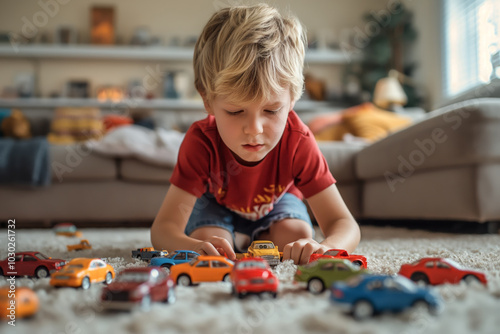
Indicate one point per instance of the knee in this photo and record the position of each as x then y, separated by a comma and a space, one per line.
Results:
294, 228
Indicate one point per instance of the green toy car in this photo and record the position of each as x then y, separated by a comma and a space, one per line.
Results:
321, 274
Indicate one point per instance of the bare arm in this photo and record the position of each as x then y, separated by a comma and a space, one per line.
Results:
167, 231
336, 222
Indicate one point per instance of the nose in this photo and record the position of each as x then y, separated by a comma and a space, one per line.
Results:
253, 125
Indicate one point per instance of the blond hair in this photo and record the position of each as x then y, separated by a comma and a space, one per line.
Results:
249, 53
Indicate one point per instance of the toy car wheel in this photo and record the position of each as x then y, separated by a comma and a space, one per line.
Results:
362, 309
146, 302
184, 280
421, 306
109, 278
1, 272
167, 265
315, 285
470, 279
139, 257
226, 278
41, 272
420, 278
85, 283
358, 263
241, 295
170, 297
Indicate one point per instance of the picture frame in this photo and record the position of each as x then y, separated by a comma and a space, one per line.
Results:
102, 25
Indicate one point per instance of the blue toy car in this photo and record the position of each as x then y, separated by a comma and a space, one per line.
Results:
366, 295
176, 257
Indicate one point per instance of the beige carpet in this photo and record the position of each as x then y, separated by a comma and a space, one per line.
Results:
209, 308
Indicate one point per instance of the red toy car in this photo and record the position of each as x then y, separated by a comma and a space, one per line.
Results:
360, 260
434, 271
253, 275
33, 264
139, 286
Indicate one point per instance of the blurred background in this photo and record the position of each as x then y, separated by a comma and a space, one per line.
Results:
87, 49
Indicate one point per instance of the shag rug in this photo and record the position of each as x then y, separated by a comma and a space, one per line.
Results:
210, 308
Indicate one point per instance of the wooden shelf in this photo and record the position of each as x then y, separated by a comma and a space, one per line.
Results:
157, 104
119, 52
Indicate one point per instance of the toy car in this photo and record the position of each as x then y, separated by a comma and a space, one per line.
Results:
263, 249
26, 303
81, 272
359, 260
83, 244
204, 268
253, 275
33, 264
67, 229
138, 286
147, 253
432, 270
366, 295
320, 274
177, 257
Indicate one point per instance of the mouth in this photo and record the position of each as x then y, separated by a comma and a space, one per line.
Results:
253, 147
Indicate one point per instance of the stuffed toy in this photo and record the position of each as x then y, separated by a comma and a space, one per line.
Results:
16, 125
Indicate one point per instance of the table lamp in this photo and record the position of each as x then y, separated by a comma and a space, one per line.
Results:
388, 93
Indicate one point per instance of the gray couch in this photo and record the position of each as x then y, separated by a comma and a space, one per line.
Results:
444, 167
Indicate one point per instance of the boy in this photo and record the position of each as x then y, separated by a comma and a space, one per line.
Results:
242, 171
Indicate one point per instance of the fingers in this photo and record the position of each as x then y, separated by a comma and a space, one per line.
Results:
206, 248
216, 246
223, 247
301, 250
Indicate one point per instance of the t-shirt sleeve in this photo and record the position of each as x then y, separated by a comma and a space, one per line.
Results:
192, 168
310, 169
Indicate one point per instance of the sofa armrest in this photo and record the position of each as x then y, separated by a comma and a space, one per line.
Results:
461, 134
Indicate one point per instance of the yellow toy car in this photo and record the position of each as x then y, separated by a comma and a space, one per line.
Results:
264, 249
84, 244
81, 272
26, 303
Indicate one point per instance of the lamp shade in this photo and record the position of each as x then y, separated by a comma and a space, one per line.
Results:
388, 92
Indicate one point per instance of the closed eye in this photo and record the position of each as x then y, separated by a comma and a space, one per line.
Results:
272, 111
234, 113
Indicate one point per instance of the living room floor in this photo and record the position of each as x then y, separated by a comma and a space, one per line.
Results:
210, 308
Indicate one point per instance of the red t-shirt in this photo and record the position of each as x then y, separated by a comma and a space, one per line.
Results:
295, 165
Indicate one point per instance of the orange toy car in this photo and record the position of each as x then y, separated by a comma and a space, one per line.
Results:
84, 244
81, 272
204, 268
26, 303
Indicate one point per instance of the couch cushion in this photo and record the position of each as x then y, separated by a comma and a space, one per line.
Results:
76, 162
136, 170
458, 135
340, 157
446, 193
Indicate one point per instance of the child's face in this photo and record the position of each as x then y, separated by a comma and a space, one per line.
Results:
251, 130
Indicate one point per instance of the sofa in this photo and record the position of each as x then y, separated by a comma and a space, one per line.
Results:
445, 166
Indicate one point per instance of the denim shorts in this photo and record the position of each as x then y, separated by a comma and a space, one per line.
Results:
207, 212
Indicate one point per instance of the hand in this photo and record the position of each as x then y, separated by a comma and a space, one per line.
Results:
300, 251
215, 246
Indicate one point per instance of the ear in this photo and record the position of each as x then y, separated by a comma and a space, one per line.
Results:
206, 104
292, 104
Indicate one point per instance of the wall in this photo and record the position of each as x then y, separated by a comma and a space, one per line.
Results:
428, 49
183, 19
